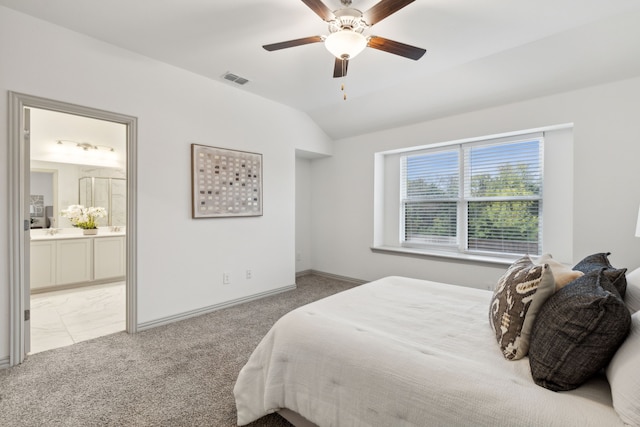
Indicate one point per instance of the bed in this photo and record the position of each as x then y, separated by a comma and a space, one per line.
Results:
404, 352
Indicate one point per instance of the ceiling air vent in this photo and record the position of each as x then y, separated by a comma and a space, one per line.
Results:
234, 78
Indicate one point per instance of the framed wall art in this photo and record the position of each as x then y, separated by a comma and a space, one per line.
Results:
225, 183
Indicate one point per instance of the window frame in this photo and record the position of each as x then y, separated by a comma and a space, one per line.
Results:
464, 198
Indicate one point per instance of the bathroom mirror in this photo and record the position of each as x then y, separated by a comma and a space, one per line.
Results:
109, 193
43, 198
68, 189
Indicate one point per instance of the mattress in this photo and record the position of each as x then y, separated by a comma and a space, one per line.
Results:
404, 352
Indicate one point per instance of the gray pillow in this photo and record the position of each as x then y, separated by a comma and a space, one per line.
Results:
577, 332
599, 261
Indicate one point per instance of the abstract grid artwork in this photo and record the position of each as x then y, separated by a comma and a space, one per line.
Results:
225, 182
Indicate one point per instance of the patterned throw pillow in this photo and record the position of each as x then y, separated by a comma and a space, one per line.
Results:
520, 293
577, 332
599, 261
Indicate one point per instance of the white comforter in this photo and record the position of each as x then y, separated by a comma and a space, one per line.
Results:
404, 352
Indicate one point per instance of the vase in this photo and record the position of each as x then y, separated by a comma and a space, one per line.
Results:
89, 231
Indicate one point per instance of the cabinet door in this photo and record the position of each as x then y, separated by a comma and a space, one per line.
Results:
74, 262
109, 257
42, 264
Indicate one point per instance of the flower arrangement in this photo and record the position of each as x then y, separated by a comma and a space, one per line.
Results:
85, 218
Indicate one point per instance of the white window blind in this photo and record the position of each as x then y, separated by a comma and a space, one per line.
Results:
431, 191
478, 197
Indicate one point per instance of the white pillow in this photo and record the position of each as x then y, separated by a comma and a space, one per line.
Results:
562, 274
623, 374
632, 297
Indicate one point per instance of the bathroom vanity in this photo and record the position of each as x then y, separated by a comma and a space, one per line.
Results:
67, 258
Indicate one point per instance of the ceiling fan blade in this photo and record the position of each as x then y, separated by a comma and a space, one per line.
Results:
292, 43
384, 8
320, 9
340, 67
396, 48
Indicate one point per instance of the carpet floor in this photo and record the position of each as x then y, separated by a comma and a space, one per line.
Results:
181, 374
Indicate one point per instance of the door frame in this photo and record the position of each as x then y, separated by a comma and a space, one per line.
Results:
19, 171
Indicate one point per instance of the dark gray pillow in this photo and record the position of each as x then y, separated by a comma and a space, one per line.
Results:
577, 332
599, 261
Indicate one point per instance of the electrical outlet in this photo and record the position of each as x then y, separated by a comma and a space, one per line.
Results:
226, 278
249, 274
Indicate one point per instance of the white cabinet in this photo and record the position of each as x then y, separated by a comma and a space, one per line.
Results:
58, 262
42, 264
74, 261
109, 257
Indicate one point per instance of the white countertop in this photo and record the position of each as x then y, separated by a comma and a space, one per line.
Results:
73, 233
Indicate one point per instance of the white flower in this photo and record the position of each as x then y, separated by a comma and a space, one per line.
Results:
82, 217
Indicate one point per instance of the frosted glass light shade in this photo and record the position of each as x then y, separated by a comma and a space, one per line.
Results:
345, 43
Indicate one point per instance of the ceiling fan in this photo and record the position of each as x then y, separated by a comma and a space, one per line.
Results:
346, 26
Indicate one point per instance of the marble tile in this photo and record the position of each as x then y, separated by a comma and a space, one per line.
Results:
47, 330
61, 318
102, 315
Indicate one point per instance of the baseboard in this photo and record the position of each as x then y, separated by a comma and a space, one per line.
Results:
333, 276
211, 308
77, 285
303, 273
216, 307
5, 363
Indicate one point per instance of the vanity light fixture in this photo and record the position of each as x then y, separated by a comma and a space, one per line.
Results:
86, 146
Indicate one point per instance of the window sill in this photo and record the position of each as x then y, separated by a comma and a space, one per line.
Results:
428, 253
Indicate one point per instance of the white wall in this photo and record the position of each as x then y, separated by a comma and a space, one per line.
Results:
303, 214
605, 191
180, 260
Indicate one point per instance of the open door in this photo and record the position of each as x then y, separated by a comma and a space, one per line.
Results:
26, 293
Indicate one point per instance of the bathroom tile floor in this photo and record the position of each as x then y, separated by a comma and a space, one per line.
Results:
62, 318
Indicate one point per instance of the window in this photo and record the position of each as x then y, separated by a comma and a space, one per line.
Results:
481, 197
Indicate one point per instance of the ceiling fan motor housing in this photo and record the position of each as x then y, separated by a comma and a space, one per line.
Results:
348, 19
346, 39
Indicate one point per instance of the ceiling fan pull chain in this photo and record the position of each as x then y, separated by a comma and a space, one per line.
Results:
344, 94
344, 77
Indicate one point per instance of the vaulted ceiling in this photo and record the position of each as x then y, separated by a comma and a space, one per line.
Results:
479, 53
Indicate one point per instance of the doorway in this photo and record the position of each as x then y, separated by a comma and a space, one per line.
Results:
77, 286
22, 209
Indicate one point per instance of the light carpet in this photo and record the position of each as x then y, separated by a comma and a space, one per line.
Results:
181, 374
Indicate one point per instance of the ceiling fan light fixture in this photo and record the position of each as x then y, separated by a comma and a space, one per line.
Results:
345, 44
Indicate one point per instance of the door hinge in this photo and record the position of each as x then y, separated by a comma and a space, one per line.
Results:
27, 224
27, 315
